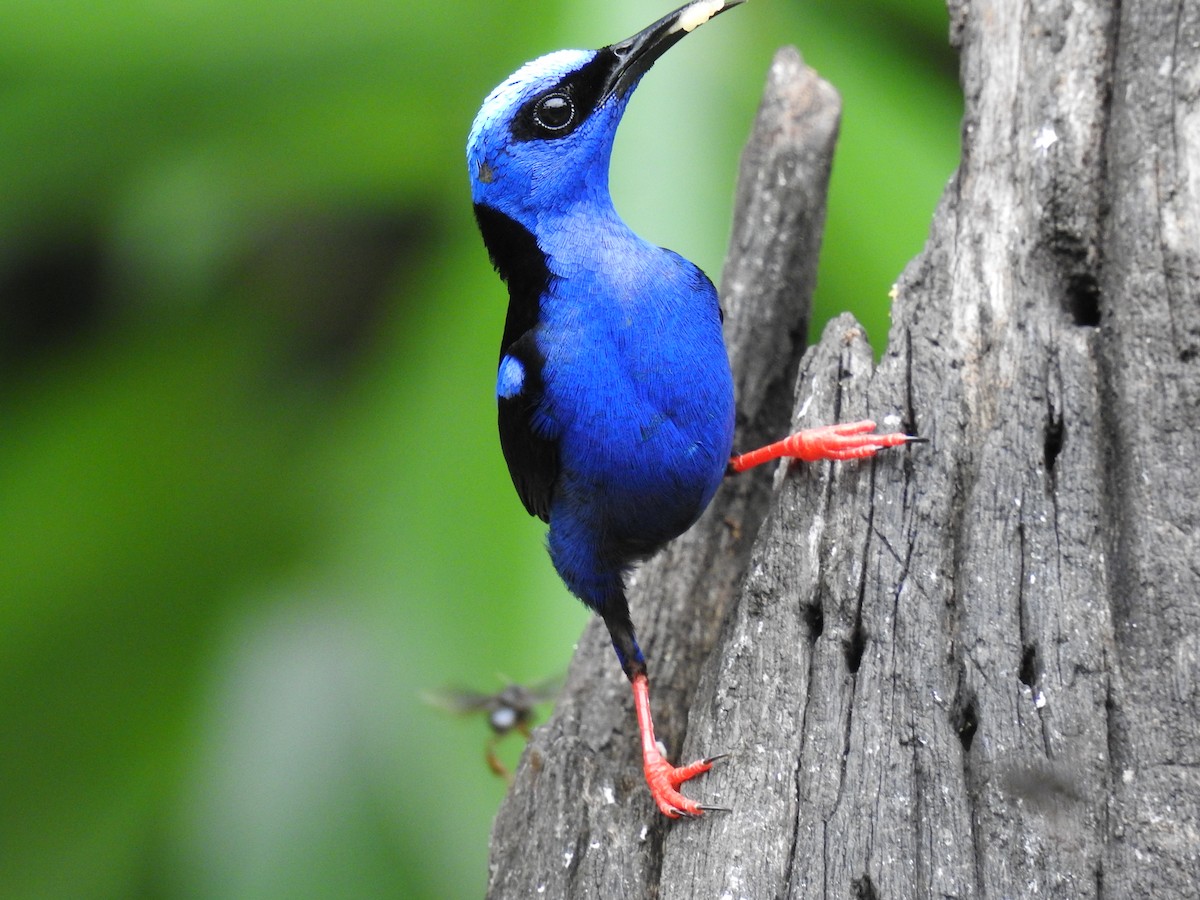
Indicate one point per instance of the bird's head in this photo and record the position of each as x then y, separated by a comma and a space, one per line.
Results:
543, 139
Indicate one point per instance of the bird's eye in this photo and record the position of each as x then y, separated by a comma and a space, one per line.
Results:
554, 112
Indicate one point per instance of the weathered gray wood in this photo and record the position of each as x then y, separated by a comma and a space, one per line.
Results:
1149, 284
969, 668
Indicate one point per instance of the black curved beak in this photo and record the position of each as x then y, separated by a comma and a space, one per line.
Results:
633, 57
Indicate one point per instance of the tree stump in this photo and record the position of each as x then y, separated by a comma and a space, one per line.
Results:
964, 669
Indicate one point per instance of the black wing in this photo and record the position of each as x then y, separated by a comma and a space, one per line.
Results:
532, 457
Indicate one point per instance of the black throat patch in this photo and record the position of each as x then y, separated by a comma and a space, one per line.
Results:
518, 259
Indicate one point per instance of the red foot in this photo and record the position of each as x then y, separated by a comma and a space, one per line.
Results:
851, 440
662, 778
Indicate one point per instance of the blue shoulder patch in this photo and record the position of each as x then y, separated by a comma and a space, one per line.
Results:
510, 380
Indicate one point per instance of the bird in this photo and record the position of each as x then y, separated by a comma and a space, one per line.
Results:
615, 400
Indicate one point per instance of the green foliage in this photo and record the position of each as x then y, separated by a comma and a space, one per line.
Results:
251, 497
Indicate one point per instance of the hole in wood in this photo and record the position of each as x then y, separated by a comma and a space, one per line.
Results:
814, 617
1028, 673
1083, 299
967, 725
1053, 441
854, 648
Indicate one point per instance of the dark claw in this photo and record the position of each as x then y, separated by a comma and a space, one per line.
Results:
715, 808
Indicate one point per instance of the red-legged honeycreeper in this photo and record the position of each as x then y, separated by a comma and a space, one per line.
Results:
615, 396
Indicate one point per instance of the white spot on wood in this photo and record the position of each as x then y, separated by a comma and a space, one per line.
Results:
1046, 138
804, 407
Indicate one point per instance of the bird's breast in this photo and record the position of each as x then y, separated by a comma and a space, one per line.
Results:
640, 390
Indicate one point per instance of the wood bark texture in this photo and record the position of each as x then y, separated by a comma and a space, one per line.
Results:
969, 668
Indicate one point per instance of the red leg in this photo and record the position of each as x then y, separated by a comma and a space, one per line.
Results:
852, 440
663, 778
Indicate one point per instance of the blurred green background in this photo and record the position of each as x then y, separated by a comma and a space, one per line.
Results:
252, 502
